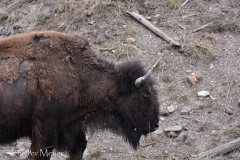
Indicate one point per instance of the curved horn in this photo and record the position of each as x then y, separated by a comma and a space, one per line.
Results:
142, 79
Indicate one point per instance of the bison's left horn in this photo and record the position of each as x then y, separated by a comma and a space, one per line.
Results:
142, 79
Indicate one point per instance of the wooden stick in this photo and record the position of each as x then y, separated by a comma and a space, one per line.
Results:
107, 49
184, 3
4, 13
204, 26
148, 144
221, 149
153, 28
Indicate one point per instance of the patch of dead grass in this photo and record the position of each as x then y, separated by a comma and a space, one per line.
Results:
222, 23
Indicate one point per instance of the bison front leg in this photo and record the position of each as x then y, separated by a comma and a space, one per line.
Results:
80, 144
77, 144
44, 132
44, 135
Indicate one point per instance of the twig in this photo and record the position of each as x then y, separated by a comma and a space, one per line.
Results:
193, 14
184, 3
148, 144
155, 30
206, 25
221, 149
4, 13
107, 49
180, 26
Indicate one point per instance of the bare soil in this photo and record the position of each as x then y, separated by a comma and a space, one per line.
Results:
211, 53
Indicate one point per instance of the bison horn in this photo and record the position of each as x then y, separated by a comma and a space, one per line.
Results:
142, 79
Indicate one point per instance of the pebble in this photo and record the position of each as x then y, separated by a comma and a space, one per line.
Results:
203, 93
192, 79
173, 128
156, 16
171, 108
214, 133
162, 118
229, 111
186, 110
164, 111
130, 40
158, 132
91, 22
172, 134
191, 139
182, 137
11, 153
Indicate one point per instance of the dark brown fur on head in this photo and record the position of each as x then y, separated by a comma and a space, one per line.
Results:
135, 111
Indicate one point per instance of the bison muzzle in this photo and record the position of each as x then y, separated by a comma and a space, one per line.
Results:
53, 87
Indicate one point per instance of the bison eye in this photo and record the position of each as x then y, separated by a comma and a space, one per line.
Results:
145, 96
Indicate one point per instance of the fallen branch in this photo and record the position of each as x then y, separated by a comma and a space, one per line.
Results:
184, 3
206, 25
4, 13
221, 149
153, 28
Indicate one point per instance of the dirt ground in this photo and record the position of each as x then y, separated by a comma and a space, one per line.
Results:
212, 54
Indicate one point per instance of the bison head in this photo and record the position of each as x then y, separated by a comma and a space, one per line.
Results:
137, 104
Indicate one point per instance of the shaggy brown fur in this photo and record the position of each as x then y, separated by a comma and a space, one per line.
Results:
52, 85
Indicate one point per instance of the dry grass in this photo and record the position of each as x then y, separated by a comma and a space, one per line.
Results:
222, 23
173, 2
203, 50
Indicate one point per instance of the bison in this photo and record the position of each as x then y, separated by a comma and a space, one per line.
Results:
53, 87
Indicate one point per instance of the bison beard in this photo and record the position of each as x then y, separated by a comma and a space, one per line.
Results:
53, 87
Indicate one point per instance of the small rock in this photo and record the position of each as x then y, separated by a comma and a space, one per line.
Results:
192, 79
203, 93
130, 40
156, 16
181, 50
158, 132
149, 18
172, 134
211, 66
239, 102
11, 153
91, 22
210, 111
162, 118
184, 126
186, 110
174, 143
229, 111
182, 137
164, 111
213, 98
154, 22
191, 139
214, 133
171, 108
173, 128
